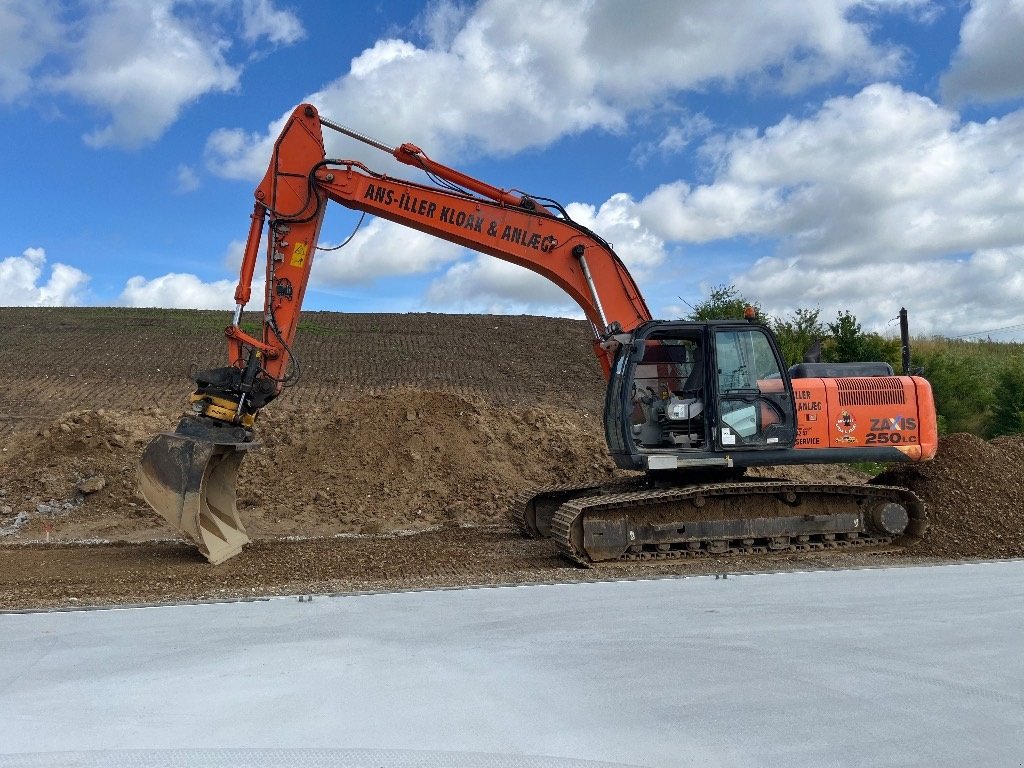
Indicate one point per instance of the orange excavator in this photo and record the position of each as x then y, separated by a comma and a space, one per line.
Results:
689, 406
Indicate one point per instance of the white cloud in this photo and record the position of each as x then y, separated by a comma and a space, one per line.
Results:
497, 80
233, 255
675, 139
988, 65
28, 31
381, 249
260, 19
672, 45
178, 291
948, 295
441, 22
21, 286
883, 174
143, 65
138, 63
187, 179
488, 285
878, 200
237, 154
618, 221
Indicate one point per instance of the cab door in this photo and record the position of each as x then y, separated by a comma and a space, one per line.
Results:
754, 401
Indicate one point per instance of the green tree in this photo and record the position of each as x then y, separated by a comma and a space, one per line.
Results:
847, 343
797, 333
724, 302
845, 339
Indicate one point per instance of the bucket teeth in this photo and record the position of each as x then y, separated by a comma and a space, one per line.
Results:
190, 482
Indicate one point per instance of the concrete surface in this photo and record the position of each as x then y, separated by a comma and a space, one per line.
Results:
901, 667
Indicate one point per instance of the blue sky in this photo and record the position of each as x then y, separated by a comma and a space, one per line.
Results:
838, 154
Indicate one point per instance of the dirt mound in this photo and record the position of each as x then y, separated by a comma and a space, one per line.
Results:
974, 491
409, 459
76, 477
403, 460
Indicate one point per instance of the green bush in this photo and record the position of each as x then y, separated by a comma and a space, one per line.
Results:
1008, 401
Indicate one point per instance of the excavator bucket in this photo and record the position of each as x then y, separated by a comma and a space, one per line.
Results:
190, 482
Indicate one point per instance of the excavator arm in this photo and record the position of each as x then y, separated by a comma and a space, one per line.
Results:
188, 476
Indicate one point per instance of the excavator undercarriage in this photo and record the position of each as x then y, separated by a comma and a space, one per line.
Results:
626, 521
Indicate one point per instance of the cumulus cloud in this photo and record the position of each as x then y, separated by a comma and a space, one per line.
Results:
142, 64
949, 295
882, 172
619, 222
577, 66
178, 291
21, 282
187, 180
260, 19
138, 63
381, 249
673, 45
28, 31
487, 285
236, 154
988, 65
879, 199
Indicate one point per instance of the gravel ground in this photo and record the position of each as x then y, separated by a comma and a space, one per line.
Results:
41, 576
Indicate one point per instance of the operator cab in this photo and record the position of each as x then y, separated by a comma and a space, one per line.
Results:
692, 394
667, 394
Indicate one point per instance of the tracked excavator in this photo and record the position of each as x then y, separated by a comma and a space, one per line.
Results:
689, 405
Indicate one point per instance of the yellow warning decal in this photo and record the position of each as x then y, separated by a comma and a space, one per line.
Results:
299, 254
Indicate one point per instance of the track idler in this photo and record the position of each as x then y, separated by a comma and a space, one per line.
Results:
189, 476
532, 510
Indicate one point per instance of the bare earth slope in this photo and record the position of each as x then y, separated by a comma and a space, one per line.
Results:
390, 464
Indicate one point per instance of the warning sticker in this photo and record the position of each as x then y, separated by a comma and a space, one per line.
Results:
299, 255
